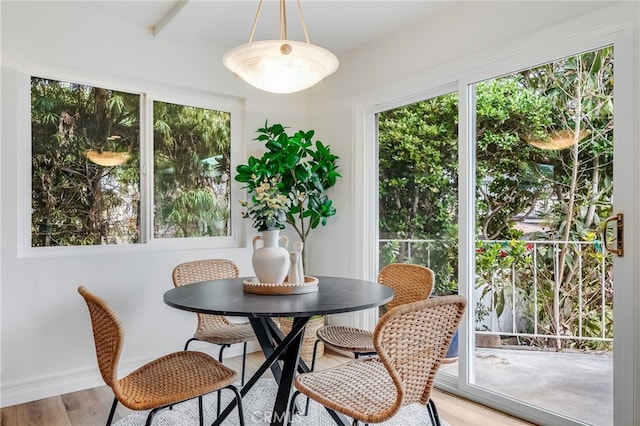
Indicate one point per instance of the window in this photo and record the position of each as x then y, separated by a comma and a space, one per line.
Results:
87, 154
191, 171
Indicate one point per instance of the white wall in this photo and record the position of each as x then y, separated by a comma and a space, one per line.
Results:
46, 345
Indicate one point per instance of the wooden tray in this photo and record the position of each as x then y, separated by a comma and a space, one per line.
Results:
251, 285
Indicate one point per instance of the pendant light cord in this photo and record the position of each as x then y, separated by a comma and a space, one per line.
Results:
282, 23
255, 22
304, 26
283, 20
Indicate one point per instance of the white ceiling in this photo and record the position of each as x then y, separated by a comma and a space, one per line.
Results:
337, 25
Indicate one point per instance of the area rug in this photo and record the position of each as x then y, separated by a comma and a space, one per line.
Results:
257, 405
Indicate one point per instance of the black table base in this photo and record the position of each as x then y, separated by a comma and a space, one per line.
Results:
276, 346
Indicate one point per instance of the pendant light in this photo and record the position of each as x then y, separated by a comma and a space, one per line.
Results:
280, 66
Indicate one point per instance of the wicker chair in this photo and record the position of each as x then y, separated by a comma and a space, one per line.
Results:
411, 340
214, 329
410, 283
168, 380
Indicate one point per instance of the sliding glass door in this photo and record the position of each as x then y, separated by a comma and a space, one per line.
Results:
516, 221
543, 291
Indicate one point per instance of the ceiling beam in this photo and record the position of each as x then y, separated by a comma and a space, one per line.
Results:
166, 19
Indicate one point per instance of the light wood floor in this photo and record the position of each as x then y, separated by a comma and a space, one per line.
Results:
91, 407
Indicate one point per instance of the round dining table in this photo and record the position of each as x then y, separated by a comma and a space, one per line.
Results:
227, 297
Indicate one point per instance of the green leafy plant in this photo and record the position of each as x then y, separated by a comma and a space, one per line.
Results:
303, 169
268, 207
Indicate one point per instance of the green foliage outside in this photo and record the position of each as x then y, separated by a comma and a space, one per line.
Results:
192, 167
418, 184
74, 201
518, 175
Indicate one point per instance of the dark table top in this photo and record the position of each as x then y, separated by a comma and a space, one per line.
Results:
226, 297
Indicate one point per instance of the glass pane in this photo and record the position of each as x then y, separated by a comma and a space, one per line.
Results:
85, 157
418, 188
544, 287
191, 171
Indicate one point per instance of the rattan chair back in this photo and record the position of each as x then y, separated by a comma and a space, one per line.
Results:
409, 282
108, 336
198, 271
412, 340
204, 270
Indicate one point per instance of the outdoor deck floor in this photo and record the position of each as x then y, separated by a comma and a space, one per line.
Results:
577, 385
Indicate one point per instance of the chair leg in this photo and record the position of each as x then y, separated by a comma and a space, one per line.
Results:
292, 405
433, 413
244, 362
238, 403
315, 352
150, 416
200, 410
186, 345
313, 366
113, 411
222, 347
220, 359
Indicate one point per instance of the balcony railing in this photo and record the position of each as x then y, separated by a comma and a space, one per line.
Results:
556, 294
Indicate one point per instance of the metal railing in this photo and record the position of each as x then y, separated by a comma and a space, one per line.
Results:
525, 291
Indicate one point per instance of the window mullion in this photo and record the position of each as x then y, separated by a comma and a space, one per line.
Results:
146, 168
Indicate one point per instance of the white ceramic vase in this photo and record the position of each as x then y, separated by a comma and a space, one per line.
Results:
270, 260
294, 270
297, 247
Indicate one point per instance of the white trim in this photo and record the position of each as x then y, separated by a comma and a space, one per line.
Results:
363, 194
146, 168
626, 353
466, 234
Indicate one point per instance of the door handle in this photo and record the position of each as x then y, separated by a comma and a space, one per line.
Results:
618, 232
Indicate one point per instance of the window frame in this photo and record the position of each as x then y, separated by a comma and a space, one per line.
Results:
148, 94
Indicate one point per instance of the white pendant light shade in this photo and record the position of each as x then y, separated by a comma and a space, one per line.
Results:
281, 66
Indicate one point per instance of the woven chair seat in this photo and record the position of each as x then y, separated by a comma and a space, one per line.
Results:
361, 389
226, 335
173, 378
346, 338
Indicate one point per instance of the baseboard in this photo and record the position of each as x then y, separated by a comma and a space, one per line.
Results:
32, 389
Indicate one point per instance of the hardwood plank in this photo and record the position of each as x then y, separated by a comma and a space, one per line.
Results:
458, 411
89, 407
44, 412
9, 416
